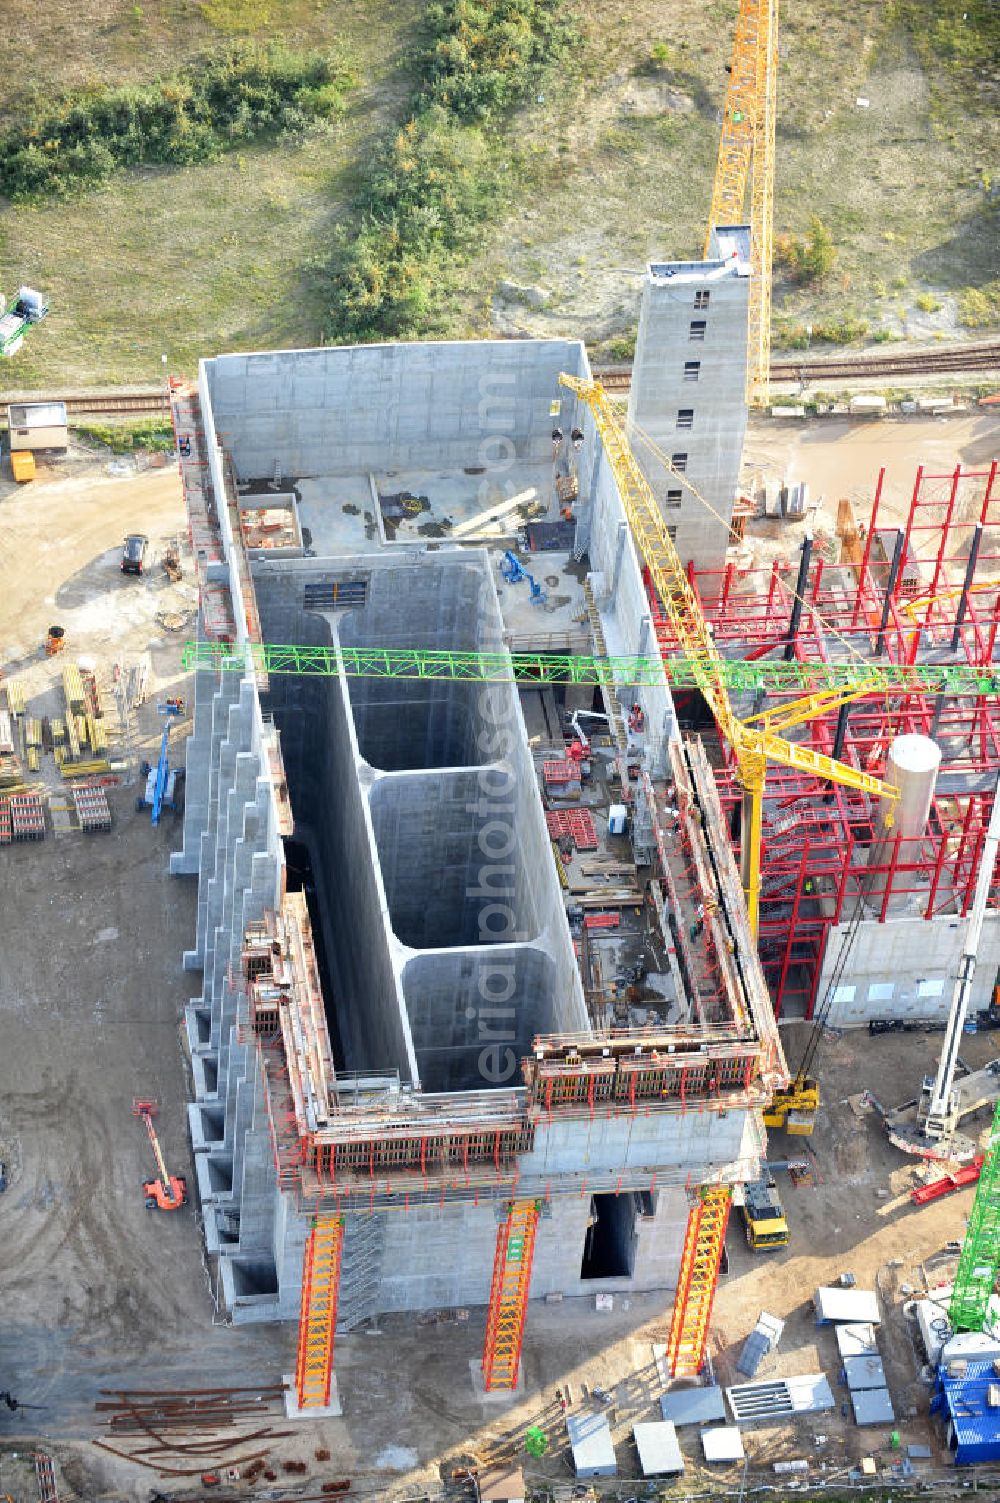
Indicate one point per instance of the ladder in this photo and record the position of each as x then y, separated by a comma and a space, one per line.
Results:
703, 1243
979, 1262
318, 1317
509, 1295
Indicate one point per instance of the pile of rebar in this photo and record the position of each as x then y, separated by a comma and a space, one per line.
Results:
184, 1433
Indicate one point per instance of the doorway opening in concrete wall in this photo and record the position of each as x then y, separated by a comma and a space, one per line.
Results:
609, 1246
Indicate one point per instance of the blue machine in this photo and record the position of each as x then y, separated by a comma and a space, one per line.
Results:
514, 572
163, 782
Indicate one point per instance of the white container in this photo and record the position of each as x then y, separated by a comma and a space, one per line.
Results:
617, 819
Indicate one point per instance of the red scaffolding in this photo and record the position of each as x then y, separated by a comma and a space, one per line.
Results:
914, 584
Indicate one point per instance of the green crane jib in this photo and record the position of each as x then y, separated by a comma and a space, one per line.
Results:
571, 668
980, 1260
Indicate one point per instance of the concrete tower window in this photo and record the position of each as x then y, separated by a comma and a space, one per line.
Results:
674, 498
672, 532
701, 299
685, 417
679, 462
698, 327
692, 370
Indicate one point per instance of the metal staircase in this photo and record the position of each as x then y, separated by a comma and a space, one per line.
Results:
703, 1243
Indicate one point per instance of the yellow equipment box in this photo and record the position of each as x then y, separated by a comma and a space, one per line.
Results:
22, 463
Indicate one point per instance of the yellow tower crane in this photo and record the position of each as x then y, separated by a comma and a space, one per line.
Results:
746, 151
754, 745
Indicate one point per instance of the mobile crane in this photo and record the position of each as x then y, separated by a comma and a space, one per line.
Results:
168, 1192
929, 1126
163, 782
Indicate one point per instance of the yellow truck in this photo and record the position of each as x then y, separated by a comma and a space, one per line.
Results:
764, 1215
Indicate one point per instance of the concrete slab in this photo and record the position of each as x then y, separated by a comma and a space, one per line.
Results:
592, 1446
333, 1410
495, 1395
864, 1372
693, 1406
854, 1305
872, 1406
857, 1339
722, 1444
658, 1447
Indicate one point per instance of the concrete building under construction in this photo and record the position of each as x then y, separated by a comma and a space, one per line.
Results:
392, 1027
460, 1037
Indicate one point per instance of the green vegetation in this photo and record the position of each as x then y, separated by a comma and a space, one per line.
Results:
962, 36
927, 302
569, 176
213, 104
432, 187
153, 434
792, 336
809, 257
979, 307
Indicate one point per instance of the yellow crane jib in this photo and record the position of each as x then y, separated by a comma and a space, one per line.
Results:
746, 151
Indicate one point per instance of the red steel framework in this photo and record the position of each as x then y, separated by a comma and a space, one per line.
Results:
940, 603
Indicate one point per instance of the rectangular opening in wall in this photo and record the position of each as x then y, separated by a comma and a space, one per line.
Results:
698, 327
685, 417
672, 532
679, 461
675, 497
701, 299
609, 1243
692, 370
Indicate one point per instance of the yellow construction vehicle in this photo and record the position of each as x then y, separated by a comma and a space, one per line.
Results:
764, 1215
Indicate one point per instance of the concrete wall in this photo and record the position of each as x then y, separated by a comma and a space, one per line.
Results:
442, 909
424, 819
617, 582
383, 407
421, 1272
906, 968
661, 389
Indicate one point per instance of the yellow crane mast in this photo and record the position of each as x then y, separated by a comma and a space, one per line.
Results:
753, 745
746, 151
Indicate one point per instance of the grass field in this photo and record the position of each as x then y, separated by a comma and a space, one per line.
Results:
609, 164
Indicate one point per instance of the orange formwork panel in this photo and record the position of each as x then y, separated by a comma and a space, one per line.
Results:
703, 1243
509, 1296
318, 1317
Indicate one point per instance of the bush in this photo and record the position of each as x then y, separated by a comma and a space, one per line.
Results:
846, 330
216, 102
927, 302
429, 190
810, 257
979, 307
153, 434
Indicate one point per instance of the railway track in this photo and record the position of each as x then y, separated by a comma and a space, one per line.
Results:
964, 359
146, 401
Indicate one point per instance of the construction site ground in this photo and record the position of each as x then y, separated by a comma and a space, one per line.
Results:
99, 1293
